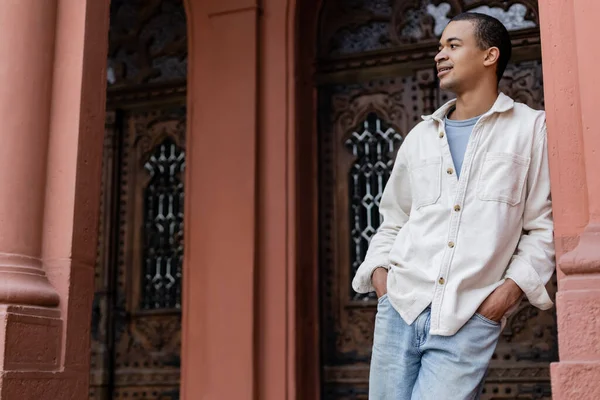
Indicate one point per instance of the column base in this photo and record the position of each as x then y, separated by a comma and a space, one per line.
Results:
23, 281
585, 258
30, 339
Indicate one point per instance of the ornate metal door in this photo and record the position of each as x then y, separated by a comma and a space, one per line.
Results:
136, 327
376, 78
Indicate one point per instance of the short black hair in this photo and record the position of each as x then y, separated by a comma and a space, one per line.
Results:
490, 32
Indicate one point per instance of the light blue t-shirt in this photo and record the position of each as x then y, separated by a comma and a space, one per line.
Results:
458, 133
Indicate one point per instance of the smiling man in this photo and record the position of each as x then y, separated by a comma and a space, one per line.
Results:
467, 227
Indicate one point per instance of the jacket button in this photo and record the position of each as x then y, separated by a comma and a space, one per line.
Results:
441, 281
441, 135
450, 171
451, 244
457, 208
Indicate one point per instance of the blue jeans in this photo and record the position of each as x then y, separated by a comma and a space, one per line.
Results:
409, 364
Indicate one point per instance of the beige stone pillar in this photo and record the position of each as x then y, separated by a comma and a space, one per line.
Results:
571, 87
26, 53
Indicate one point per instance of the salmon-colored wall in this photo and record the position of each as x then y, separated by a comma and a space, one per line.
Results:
219, 332
568, 31
276, 202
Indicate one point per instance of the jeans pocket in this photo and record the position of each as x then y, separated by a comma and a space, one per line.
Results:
487, 320
382, 298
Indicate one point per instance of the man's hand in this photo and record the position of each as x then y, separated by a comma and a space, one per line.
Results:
500, 301
379, 281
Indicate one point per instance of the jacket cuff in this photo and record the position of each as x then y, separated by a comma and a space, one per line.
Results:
527, 278
362, 280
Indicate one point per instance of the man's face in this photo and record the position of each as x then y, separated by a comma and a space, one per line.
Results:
460, 61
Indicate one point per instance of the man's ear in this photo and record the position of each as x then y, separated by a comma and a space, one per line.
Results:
492, 55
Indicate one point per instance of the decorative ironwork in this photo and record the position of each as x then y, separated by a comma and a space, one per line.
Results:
163, 228
351, 27
373, 147
147, 41
136, 336
381, 7
514, 17
524, 82
370, 36
411, 22
137, 352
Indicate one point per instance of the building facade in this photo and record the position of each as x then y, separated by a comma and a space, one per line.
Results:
191, 231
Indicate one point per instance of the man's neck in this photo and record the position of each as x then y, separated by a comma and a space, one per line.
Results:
473, 104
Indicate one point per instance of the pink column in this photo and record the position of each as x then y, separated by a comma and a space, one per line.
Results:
570, 76
30, 325
276, 223
239, 312
26, 51
219, 314
52, 86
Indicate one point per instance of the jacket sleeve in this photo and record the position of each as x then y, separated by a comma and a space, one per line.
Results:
533, 263
394, 209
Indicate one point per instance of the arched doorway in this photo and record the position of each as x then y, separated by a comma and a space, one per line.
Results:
375, 78
136, 323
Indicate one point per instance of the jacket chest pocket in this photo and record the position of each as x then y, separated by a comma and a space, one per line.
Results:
426, 181
502, 178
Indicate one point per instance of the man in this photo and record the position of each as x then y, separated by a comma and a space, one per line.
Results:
467, 227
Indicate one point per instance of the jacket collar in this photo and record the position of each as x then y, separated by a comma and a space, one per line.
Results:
503, 103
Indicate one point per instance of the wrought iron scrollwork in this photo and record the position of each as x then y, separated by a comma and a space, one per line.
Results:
163, 227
